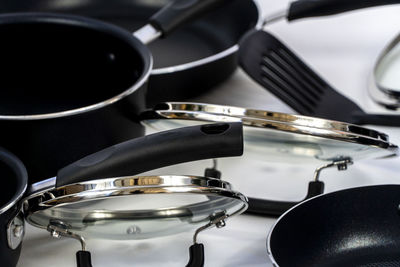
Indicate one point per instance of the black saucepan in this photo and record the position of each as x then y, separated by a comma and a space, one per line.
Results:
14, 181
353, 227
187, 63
127, 158
71, 85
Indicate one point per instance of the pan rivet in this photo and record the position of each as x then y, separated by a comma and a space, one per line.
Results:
133, 230
220, 224
18, 231
55, 234
111, 57
342, 167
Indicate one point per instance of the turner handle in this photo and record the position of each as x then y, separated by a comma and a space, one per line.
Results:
377, 119
316, 8
179, 12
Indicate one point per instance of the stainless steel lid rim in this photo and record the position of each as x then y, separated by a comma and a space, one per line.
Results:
313, 122
306, 130
380, 97
79, 193
293, 123
49, 199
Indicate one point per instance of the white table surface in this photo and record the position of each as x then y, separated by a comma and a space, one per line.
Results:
343, 50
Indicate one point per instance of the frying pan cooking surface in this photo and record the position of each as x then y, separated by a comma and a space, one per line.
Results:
210, 35
354, 227
34, 82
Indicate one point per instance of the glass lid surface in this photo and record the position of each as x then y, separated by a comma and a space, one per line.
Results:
278, 136
134, 207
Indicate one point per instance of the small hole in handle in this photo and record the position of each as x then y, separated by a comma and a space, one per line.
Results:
161, 106
215, 128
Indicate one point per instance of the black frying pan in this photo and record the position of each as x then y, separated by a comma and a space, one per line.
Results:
71, 85
353, 227
187, 63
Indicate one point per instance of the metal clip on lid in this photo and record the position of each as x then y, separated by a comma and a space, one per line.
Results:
196, 251
58, 229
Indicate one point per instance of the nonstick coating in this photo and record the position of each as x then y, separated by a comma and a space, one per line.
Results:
13, 178
70, 86
207, 37
54, 67
353, 227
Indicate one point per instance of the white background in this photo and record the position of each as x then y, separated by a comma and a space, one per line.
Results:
343, 50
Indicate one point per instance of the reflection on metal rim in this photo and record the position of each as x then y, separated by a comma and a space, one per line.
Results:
380, 97
71, 112
384, 96
296, 124
131, 185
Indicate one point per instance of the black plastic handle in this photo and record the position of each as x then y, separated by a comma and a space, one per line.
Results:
273, 208
83, 259
377, 119
316, 8
196, 254
157, 150
180, 12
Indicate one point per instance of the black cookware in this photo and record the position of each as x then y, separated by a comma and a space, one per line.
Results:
14, 180
127, 158
311, 8
353, 227
187, 63
279, 70
71, 85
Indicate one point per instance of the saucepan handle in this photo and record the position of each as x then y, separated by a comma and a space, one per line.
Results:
316, 8
178, 12
272, 208
174, 15
157, 150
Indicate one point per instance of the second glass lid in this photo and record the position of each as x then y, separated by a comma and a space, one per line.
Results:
279, 136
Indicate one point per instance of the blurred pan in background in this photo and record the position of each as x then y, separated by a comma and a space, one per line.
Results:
186, 64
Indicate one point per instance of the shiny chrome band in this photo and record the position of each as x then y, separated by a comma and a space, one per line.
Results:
138, 84
131, 185
279, 121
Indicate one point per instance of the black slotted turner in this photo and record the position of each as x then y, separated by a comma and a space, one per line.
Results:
270, 63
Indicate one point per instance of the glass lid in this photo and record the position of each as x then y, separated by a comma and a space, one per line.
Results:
279, 136
134, 207
385, 87
387, 68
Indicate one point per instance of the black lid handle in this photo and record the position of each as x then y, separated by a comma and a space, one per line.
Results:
157, 150
83, 259
196, 254
315, 8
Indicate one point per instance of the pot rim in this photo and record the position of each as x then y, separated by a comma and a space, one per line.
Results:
20, 171
93, 25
